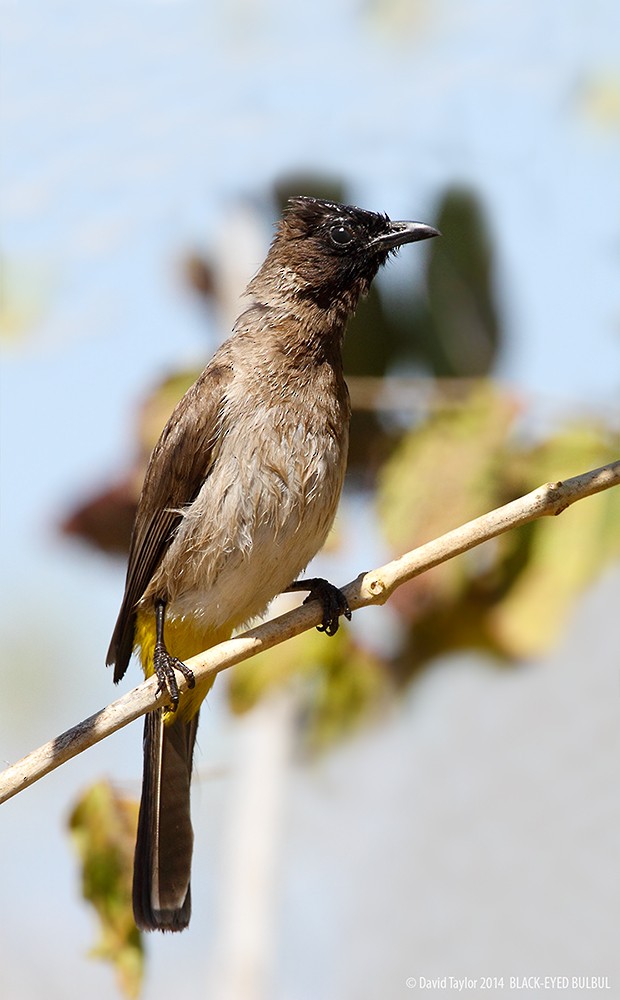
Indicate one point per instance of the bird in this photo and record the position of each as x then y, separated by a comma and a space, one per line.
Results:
239, 494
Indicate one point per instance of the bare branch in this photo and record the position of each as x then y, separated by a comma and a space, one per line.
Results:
374, 587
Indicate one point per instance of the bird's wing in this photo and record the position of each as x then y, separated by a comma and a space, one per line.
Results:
179, 465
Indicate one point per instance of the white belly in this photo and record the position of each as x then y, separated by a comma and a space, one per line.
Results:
256, 523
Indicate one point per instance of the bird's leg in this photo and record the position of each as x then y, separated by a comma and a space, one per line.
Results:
164, 664
333, 601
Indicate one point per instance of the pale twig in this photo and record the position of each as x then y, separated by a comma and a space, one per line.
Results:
374, 587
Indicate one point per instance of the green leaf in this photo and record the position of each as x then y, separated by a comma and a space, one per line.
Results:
103, 829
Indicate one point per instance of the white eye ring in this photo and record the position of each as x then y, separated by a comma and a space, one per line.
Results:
341, 235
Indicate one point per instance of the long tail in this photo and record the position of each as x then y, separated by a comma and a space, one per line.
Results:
163, 859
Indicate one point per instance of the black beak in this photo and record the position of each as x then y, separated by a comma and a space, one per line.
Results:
403, 232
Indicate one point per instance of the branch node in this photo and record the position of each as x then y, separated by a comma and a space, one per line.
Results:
376, 587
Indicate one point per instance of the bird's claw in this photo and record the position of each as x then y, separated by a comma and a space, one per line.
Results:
333, 602
164, 666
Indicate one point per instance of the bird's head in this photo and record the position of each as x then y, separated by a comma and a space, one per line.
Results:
328, 254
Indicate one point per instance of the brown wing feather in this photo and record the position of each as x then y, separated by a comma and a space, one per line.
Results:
179, 465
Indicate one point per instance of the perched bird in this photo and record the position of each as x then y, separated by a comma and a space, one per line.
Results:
240, 493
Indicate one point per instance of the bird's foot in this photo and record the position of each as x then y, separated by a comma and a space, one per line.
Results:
333, 602
164, 666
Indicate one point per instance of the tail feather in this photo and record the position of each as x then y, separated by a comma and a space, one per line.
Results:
163, 858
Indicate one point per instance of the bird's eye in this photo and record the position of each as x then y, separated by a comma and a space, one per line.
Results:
341, 235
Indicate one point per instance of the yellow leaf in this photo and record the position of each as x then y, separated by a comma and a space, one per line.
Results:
567, 552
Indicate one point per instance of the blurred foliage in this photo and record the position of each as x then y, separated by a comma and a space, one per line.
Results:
25, 287
511, 596
106, 519
341, 680
400, 21
565, 555
600, 100
103, 829
461, 332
